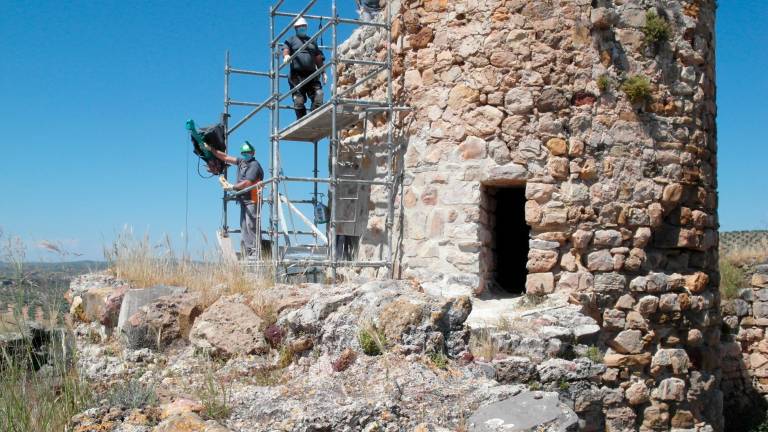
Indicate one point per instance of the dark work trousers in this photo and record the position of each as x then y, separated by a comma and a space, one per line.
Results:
249, 227
312, 90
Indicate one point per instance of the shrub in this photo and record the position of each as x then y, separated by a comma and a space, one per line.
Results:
215, 398
274, 335
731, 279
656, 28
439, 360
603, 83
637, 88
563, 385
372, 340
286, 357
131, 394
593, 353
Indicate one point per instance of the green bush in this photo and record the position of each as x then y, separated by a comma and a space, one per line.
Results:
372, 340
656, 28
216, 399
732, 278
594, 354
603, 83
439, 360
637, 88
131, 395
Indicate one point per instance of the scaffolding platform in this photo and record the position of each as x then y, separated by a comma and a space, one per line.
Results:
316, 125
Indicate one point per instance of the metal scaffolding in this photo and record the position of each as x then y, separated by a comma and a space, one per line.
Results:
341, 111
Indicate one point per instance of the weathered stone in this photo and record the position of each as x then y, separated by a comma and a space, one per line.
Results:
552, 99
697, 282
518, 101
628, 342
95, 301
473, 148
557, 146
674, 359
526, 411
601, 260
610, 282
670, 389
637, 393
540, 261
135, 299
607, 238
228, 328
540, 283
514, 370
621, 360
581, 239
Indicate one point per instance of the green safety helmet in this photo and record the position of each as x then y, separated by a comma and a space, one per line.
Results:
247, 148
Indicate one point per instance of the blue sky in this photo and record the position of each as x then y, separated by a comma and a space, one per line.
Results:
95, 96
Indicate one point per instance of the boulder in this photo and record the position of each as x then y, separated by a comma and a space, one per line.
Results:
528, 411
94, 302
228, 328
134, 299
161, 322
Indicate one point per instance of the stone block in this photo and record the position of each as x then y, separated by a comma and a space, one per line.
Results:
540, 283
134, 299
610, 282
607, 238
601, 260
628, 342
540, 261
95, 301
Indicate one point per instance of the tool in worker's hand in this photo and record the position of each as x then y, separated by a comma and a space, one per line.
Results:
227, 186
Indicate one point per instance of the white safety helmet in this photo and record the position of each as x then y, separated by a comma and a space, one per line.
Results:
300, 22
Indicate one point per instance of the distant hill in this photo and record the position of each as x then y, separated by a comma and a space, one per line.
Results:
735, 240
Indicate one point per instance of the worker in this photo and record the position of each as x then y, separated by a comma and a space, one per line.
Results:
249, 172
369, 8
303, 65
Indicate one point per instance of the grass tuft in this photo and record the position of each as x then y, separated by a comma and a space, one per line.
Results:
732, 279
637, 88
144, 264
132, 394
603, 83
593, 353
216, 398
372, 340
656, 28
439, 360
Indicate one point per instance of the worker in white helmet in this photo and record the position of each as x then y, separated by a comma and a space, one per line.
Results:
303, 65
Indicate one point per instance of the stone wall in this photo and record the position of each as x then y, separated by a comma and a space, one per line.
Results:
745, 350
621, 194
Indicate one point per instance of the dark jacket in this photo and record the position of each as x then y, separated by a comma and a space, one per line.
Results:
304, 62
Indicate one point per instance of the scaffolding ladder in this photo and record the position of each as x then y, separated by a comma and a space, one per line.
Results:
341, 111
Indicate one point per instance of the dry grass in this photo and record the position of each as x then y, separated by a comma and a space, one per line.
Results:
482, 345
144, 264
747, 255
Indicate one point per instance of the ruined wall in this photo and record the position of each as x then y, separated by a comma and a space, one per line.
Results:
621, 194
745, 350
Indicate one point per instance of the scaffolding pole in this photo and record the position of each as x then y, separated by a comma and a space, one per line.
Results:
339, 103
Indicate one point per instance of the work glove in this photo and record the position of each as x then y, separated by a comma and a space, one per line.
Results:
285, 58
227, 186
325, 78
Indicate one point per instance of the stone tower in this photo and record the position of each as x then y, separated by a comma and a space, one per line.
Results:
564, 145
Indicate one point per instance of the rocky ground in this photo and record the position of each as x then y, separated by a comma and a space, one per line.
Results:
377, 356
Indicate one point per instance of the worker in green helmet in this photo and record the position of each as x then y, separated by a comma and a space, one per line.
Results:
249, 172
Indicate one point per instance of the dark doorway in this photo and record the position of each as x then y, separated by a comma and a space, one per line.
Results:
510, 236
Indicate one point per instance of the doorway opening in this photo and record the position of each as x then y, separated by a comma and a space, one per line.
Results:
504, 239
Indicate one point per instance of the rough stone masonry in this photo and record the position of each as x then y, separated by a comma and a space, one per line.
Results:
620, 191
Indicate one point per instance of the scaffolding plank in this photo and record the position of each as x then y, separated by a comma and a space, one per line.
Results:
317, 124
